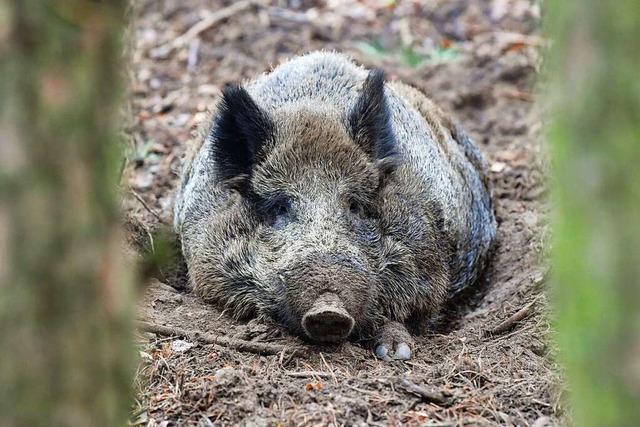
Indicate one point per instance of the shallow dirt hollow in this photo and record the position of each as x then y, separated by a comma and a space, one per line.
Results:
478, 59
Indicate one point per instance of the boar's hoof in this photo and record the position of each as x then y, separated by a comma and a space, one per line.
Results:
393, 342
327, 320
402, 352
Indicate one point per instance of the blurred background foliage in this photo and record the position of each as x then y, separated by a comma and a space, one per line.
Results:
66, 297
594, 137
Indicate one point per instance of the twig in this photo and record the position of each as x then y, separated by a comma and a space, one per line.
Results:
192, 57
335, 380
426, 395
234, 343
516, 94
308, 374
202, 25
288, 15
146, 206
511, 321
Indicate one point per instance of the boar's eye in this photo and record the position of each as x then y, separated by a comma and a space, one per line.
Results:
361, 210
276, 210
281, 212
280, 209
357, 208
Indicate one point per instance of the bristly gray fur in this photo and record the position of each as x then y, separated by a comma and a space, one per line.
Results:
376, 197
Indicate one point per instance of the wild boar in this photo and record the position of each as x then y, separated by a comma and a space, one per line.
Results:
341, 206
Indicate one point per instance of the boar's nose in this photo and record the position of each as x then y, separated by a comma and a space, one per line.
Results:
327, 320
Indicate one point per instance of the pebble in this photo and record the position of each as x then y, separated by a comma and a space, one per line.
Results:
180, 346
225, 373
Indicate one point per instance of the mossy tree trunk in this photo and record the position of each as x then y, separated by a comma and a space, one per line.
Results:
66, 356
594, 87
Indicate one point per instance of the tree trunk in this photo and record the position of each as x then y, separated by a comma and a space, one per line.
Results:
66, 297
595, 141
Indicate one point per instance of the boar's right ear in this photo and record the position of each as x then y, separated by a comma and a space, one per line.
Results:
240, 131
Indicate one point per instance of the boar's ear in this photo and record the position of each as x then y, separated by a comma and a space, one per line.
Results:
240, 131
369, 118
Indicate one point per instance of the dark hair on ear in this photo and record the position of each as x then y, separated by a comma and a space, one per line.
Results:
240, 131
368, 120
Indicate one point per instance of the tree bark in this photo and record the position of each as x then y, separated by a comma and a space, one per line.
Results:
66, 296
595, 141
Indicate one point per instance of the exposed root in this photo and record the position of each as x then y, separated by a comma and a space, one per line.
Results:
264, 349
511, 321
309, 374
437, 397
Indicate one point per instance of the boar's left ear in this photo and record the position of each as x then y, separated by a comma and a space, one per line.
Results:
369, 119
240, 131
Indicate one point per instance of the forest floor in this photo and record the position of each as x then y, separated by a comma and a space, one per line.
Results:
479, 60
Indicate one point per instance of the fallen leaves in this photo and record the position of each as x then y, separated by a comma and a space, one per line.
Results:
313, 386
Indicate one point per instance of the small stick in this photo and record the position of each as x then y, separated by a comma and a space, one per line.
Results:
288, 15
335, 380
202, 25
192, 57
234, 343
146, 206
426, 395
511, 321
308, 374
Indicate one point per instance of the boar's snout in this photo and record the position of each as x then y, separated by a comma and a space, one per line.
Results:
327, 320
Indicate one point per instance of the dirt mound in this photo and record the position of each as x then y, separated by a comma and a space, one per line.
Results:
487, 361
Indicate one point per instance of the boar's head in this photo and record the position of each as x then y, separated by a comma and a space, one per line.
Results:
300, 240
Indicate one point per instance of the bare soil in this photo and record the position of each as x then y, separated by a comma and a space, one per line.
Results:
479, 60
